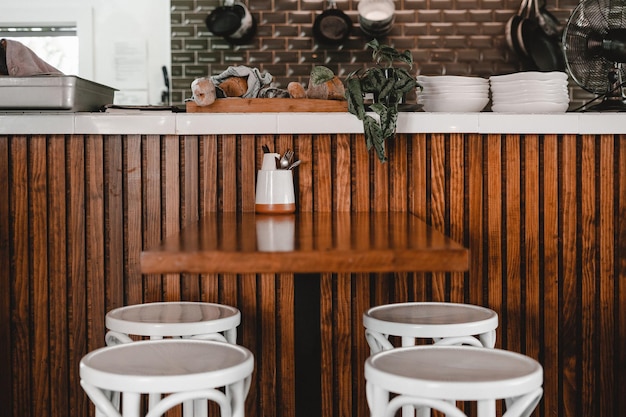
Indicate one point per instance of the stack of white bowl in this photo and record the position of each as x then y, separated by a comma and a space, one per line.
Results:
530, 92
453, 93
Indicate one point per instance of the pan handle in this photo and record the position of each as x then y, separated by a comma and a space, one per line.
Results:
528, 12
522, 8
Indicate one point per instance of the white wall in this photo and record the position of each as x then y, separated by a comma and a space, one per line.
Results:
122, 43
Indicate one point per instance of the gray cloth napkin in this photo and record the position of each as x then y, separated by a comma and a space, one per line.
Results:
22, 61
256, 79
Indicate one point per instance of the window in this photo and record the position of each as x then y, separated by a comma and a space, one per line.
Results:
56, 45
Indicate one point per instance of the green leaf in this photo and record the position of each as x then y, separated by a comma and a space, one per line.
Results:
404, 81
406, 57
321, 74
372, 80
387, 86
372, 131
388, 121
380, 151
354, 95
378, 108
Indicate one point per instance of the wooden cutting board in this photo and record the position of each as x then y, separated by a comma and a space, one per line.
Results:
268, 105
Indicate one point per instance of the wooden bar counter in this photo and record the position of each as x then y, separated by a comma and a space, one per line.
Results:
538, 200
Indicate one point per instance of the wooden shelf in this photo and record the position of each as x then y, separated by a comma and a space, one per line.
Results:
269, 105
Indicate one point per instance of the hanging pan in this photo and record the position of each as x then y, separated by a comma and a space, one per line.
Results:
544, 50
548, 22
233, 21
510, 30
332, 26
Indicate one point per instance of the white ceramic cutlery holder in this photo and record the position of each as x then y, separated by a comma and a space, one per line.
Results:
274, 188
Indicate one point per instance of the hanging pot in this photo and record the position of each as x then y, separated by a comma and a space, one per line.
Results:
376, 17
332, 26
543, 50
233, 21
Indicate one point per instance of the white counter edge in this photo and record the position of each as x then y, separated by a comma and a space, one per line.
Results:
166, 123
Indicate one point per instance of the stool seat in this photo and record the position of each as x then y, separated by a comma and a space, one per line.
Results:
175, 319
193, 369
428, 376
436, 320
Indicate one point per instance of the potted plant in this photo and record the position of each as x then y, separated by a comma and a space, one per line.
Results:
388, 83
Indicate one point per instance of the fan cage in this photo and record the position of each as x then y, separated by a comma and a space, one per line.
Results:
585, 40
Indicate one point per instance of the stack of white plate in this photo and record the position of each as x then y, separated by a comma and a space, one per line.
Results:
530, 92
453, 93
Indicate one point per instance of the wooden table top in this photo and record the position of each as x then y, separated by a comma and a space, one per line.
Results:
306, 243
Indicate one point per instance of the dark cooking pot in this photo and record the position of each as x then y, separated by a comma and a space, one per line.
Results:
332, 26
233, 21
543, 49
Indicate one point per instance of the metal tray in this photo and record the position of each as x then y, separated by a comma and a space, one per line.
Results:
54, 93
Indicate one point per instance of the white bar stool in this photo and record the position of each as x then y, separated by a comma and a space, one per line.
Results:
189, 370
445, 323
436, 376
196, 320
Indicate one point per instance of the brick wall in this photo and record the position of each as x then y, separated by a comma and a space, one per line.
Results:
458, 37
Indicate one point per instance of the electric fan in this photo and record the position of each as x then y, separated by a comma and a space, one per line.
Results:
594, 44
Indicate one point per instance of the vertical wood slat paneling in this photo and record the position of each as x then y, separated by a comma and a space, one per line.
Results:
171, 194
189, 205
327, 354
531, 276
266, 346
57, 267
417, 170
38, 234
620, 272
95, 234
569, 339
513, 318
542, 216
151, 208
588, 293
303, 175
496, 253
132, 202
114, 221
476, 222
77, 280
606, 270
437, 203
322, 174
21, 257
5, 266
548, 258
456, 210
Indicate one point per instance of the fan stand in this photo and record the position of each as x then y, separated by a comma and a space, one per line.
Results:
614, 105
613, 98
